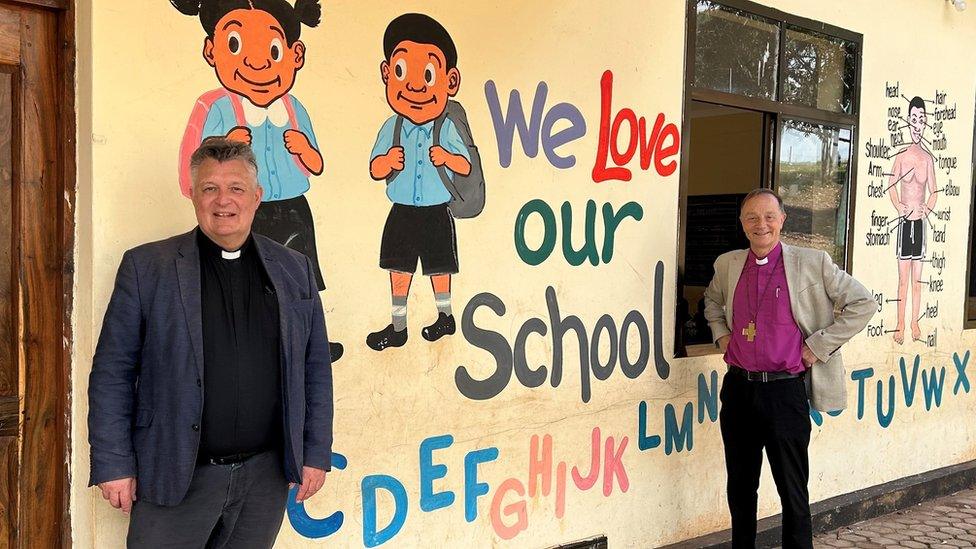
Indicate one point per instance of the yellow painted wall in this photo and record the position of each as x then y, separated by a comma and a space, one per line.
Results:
140, 71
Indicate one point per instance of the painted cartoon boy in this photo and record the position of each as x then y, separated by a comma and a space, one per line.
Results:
255, 51
420, 73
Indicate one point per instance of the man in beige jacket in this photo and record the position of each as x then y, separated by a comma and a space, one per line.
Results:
780, 313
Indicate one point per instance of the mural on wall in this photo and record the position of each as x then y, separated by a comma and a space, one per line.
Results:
626, 144
426, 155
548, 481
914, 176
541, 488
255, 51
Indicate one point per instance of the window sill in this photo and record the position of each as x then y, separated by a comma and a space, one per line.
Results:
702, 349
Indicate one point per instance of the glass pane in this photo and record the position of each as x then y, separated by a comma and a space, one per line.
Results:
725, 162
819, 71
813, 181
735, 51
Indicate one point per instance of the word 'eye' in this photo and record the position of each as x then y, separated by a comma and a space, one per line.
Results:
429, 74
276, 50
234, 42
400, 69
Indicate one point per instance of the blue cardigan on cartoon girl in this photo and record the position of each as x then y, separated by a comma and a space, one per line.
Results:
280, 173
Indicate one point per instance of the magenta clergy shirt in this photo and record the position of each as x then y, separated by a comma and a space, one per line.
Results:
762, 290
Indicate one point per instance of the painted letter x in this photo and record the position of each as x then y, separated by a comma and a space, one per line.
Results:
961, 378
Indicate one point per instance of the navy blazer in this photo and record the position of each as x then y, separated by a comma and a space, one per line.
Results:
145, 394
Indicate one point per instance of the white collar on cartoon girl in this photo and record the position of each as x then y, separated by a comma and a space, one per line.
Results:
275, 112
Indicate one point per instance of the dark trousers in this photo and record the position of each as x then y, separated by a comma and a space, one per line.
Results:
775, 416
233, 506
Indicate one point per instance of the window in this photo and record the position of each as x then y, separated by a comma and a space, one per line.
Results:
819, 71
771, 101
738, 51
812, 180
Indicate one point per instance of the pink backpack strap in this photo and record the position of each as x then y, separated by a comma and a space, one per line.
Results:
293, 123
235, 103
193, 134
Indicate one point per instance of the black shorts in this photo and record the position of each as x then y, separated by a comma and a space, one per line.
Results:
419, 232
289, 223
911, 239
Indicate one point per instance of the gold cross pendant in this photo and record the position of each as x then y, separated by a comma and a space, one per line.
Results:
750, 331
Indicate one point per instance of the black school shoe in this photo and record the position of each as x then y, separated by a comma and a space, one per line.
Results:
444, 325
387, 337
335, 350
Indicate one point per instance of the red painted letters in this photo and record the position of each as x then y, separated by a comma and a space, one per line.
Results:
663, 143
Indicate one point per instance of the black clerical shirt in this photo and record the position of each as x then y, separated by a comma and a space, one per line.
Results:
242, 372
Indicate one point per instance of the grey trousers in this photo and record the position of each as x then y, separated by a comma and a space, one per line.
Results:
227, 506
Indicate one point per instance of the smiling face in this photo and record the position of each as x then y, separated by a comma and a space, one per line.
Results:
225, 197
916, 122
762, 220
251, 56
418, 82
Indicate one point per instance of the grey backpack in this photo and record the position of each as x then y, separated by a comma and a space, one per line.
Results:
467, 191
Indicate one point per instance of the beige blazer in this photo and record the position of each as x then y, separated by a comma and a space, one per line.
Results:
829, 306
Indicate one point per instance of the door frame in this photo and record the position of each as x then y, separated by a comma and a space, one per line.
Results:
47, 339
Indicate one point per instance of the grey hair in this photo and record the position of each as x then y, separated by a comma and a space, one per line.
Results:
759, 192
221, 149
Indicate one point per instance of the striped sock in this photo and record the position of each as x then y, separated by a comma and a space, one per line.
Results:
399, 313
443, 302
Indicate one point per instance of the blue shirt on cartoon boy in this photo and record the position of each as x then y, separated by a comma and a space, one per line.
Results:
419, 184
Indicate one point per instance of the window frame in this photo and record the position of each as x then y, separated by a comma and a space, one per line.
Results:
773, 110
970, 323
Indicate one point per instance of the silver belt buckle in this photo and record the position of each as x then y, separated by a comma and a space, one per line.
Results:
765, 378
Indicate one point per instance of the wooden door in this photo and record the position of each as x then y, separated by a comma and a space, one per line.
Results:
36, 226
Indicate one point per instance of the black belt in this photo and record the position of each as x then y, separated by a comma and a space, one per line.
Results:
763, 377
229, 460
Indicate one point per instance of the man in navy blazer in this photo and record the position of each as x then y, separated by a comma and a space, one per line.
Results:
211, 385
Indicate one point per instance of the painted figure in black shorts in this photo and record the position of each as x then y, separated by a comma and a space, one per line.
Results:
255, 51
915, 168
420, 73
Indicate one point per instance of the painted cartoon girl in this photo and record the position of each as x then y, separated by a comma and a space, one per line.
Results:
254, 48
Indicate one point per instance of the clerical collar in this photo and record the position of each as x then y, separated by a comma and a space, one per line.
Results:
210, 248
772, 255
